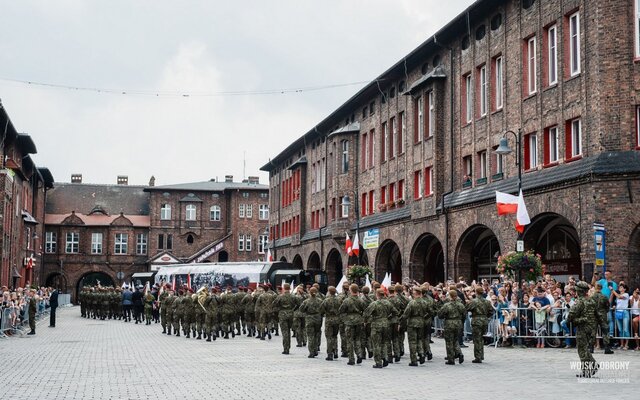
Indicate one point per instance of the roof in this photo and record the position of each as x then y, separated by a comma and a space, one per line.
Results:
450, 31
25, 143
436, 73
47, 177
209, 186
353, 127
603, 164
143, 221
82, 198
301, 161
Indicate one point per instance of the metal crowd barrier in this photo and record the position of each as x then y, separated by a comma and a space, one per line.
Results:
64, 299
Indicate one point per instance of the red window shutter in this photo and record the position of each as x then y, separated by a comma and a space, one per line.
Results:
547, 156
383, 194
392, 191
416, 185
363, 205
371, 139
371, 194
527, 153
363, 158
401, 189
399, 144
427, 181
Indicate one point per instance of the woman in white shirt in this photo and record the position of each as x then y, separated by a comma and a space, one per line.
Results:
622, 314
635, 315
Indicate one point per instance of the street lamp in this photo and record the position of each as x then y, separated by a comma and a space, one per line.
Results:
346, 204
504, 149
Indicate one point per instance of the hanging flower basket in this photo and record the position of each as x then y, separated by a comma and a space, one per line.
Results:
529, 263
358, 273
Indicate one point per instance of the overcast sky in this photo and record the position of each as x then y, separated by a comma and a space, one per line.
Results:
193, 47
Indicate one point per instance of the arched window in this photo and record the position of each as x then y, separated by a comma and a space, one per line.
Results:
190, 239
215, 213
165, 212
191, 213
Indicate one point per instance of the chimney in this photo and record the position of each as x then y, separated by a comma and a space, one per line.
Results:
152, 181
228, 178
254, 180
123, 180
76, 178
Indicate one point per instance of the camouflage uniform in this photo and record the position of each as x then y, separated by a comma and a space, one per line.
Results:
285, 303
168, 305
602, 314
330, 309
584, 317
414, 316
312, 309
189, 315
343, 334
298, 321
396, 329
163, 310
82, 299
227, 312
351, 313
481, 311
432, 310
178, 313
367, 346
211, 318
249, 310
377, 315
452, 312
240, 322
199, 313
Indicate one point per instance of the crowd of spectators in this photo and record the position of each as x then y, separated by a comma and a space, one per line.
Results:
15, 304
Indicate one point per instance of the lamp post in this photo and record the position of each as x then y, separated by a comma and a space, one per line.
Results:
504, 149
346, 205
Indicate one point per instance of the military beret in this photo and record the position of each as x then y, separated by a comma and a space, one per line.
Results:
582, 286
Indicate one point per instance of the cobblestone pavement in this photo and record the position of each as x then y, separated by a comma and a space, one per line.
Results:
91, 359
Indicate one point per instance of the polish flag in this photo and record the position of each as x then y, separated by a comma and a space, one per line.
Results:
355, 249
269, 257
173, 283
507, 203
348, 247
189, 280
522, 215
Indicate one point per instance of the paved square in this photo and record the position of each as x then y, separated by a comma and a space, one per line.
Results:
90, 359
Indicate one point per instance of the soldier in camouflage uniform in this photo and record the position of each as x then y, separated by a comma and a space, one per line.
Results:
148, 307
312, 309
285, 304
116, 303
584, 316
452, 312
432, 311
178, 312
397, 329
211, 317
241, 325
188, 315
248, 305
199, 313
168, 304
273, 314
82, 299
603, 310
106, 303
227, 312
163, 309
481, 311
414, 317
351, 313
330, 310
367, 298
263, 312
298, 318
377, 315
343, 334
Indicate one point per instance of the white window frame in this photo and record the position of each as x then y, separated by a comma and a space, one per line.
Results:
574, 43
483, 91
499, 164
215, 213
344, 211
165, 212
263, 240
121, 244
483, 164
576, 137
469, 98
249, 211
50, 244
420, 117
263, 212
241, 210
141, 244
430, 188
432, 113
403, 131
638, 125
531, 65
190, 212
552, 136
420, 183
385, 136
96, 243
247, 243
72, 244
499, 82
552, 43
392, 137
323, 175
345, 156
533, 151
241, 242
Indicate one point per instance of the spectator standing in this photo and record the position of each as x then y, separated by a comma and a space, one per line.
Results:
138, 304
622, 314
608, 285
634, 303
127, 302
53, 303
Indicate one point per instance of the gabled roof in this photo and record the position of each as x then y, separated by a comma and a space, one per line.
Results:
138, 221
208, 186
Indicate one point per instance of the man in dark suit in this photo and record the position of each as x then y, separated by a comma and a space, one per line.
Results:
53, 303
138, 305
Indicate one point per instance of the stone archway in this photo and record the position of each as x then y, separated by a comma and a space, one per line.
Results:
314, 262
92, 279
427, 260
389, 259
334, 267
297, 262
477, 254
557, 241
223, 256
283, 259
634, 258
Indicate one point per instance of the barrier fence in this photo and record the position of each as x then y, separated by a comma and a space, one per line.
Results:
15, 320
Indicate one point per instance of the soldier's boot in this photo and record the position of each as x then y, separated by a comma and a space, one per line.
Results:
429, 356
397, 358
199, 336
607, 350
226, 335
335, 355
476, 361
209, 338
359, 360
377, 366
351, 362
413, 364
421, 359
164, 330
169, 330
385, 362
277, 333
269, 335
233, 333
450, 362
177, 332
187, 335
329, 357
194, 333
460, 358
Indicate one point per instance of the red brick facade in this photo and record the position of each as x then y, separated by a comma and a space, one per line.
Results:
586, 173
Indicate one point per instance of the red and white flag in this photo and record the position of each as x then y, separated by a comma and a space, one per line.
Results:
348, 247
355, 248
506, 203
173, 283
269, 256
522, 215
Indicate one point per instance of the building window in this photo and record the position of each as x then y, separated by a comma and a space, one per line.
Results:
371, 202
345, 156
245, 195
402, 131
214, 213
418, 183
263, 212
482, 165
240, 242
96, 243
401, 189
574, 138
121, 243
419, 128
265, 195
384, 138
345, 210
551, 153
637, 130
371, 147
363, 204
637, 27
73, 243
574, 44
552, 56
141, 244
241, 210
468, 109
165, 212
428, 181
262, 243
431, 117
392, 137
497, 164
467, 168
530, 151
364, 144
247, 243
498, 82
483, 86
190, 213
189, 239
392, 191
160, 241
531, 66
383, 195
169, 241
249, 211
50, 244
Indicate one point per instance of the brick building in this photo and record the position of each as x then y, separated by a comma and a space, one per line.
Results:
413, 151
208, 221
23, 188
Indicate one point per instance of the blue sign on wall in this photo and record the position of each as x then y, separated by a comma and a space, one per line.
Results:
600, 246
